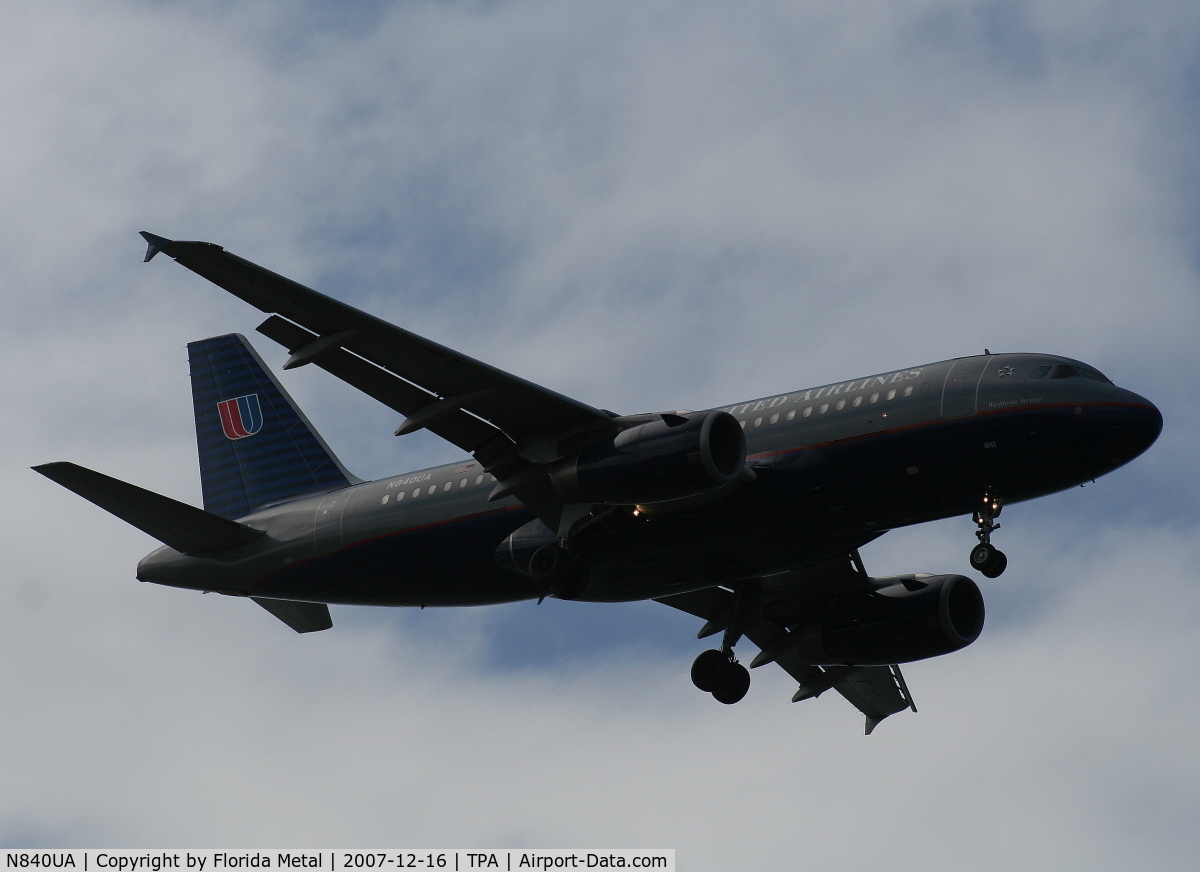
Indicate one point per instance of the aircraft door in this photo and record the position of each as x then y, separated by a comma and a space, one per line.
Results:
961, 389
327, 527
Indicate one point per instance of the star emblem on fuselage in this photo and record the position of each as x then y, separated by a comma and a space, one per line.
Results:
1005, 371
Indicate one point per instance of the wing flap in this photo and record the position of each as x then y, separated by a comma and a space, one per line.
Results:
459, 428
521, 409
876, 691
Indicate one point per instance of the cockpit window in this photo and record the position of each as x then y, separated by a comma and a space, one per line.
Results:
1094, 375
1066, 370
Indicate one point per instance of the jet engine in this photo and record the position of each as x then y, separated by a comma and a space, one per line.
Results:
902, 620
669, 458
516, 552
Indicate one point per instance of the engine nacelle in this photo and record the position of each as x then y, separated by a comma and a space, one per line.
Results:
909, 619
516, 552
669, 458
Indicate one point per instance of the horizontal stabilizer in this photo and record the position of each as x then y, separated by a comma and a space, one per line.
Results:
178, 525
301, 617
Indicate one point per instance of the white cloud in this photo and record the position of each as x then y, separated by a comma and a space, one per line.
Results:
643, 207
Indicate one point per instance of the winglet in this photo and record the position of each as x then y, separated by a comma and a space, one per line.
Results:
154, 244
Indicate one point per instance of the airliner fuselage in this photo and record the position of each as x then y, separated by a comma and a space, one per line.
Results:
834, 467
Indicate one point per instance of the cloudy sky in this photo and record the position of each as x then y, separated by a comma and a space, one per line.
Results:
645, 206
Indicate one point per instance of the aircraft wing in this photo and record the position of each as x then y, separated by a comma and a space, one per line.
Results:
876, 691
504, 421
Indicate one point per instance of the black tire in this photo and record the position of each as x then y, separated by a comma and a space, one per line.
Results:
708, 669
982, 556
736, 683
997, 566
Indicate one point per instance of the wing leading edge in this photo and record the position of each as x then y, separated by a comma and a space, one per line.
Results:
508, 424
513, 428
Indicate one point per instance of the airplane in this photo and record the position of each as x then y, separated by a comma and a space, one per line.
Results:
748, 516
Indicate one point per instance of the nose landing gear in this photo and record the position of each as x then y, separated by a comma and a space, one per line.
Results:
985, 556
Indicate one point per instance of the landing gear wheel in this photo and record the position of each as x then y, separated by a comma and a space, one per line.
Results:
997, 566
735, 682
981, 556
985, 557
988, 559
708, 669
555, 567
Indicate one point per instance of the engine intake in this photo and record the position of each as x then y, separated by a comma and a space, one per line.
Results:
909, 619
670, 458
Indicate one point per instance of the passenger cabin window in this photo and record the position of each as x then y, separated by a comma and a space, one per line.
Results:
775, 418
874, 398
791, 414
857, 402
808, 411
758, 422
462, 483
479, 479
447, 487
908, 391
891, 395
1040, 371
385, 499
824, 408
841, 404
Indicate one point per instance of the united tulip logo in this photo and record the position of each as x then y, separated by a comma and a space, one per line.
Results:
241, 416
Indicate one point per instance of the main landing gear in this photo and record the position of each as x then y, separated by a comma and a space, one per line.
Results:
985, 556
716, 672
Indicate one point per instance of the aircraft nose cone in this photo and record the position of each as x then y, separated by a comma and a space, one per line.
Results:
1133, 426
1150, 422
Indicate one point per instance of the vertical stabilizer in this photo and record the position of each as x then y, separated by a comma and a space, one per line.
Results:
255, 446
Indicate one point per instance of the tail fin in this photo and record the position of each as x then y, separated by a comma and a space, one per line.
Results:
255, 446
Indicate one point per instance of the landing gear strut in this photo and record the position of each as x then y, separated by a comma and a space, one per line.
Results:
717, 671
985, 556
